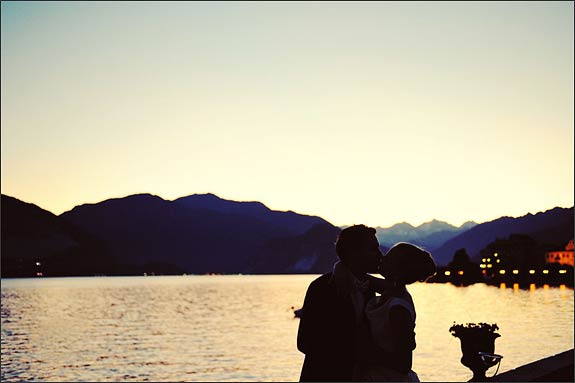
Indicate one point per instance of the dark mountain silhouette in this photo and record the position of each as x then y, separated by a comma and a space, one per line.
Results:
289, 221
196, 234
37, 241
553, 227
429, 235
28, 230
311, 252
203, 233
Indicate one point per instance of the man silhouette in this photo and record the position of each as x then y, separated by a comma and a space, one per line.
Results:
332, 320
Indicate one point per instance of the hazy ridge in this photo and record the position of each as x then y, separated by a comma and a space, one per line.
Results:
203, 233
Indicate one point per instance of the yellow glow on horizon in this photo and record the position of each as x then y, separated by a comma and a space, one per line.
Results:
266, 116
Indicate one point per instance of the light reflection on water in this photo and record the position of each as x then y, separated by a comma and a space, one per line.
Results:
240, 328
533, 324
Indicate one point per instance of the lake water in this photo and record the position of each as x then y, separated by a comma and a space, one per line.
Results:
240, 328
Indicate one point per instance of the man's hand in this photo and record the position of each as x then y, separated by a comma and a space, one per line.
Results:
379, 284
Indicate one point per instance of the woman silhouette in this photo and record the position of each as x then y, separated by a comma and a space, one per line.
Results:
391, 316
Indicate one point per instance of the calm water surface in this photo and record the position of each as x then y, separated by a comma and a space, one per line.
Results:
240, 328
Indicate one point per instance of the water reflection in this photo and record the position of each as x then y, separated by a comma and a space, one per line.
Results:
230, 328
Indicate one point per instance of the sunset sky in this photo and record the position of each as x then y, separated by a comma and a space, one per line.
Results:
372, 113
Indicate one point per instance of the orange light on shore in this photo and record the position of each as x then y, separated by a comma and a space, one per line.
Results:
460, 272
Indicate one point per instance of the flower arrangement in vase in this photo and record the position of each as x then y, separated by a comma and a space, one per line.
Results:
477, 346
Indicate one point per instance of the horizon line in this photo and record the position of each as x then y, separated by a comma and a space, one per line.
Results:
245, 201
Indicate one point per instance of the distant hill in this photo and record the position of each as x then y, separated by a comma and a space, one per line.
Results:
553, 226
35, 240
311, 252
429, 235
28, 229
195, 234
289, 221
203, 233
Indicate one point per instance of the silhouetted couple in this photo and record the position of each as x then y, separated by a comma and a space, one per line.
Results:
346, 332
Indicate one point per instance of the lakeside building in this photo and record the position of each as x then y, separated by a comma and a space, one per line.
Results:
519, 259
564, 257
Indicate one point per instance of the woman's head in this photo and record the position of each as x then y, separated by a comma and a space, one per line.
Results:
407, 263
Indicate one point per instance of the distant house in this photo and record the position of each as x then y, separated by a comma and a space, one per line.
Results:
564, 257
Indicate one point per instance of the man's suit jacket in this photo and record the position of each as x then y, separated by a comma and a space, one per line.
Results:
327, 333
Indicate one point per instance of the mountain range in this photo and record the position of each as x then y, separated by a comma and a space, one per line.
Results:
553, 228
429, 235
203, 233
31, 236
144, 233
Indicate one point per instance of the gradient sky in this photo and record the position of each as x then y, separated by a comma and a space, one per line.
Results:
372, 113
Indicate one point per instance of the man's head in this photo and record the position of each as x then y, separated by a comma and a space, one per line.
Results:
407, 263
358, 248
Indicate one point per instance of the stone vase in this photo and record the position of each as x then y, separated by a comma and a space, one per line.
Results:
472, 345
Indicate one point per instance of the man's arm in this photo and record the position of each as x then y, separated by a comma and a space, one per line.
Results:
308, 321
379, 284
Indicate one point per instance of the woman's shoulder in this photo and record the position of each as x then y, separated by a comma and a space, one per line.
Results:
385, 303
402, 306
